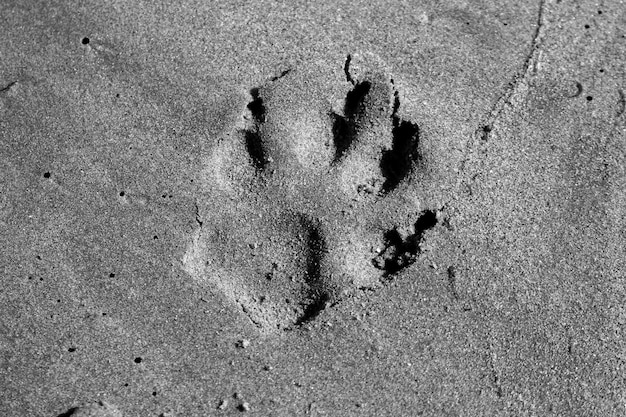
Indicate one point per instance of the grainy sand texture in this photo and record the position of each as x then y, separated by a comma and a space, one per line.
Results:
330, 208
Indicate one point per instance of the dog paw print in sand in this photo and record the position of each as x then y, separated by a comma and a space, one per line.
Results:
313, 196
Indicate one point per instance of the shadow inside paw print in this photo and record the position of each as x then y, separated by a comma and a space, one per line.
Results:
306, 202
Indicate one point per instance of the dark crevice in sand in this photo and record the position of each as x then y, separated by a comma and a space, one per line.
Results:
346, 70
396, 101
69, 412
8, 86
397, 162
345, 127
254, 143
250, 315
197, 212
281, 75
402, 246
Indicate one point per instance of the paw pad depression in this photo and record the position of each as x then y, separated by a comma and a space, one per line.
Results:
298, 192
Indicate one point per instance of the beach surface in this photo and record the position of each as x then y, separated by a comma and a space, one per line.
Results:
329, 208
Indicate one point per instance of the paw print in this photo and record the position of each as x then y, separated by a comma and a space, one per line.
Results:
307, 202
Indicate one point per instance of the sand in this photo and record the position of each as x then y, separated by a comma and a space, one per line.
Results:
340, 208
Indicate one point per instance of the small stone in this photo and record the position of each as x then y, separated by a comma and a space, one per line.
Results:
223, 405
244, 407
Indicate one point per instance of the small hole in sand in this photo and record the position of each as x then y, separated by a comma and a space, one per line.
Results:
112, 275
587, 26
71, 349
122, 193
589, 98
85, 41
138, 360
46, 175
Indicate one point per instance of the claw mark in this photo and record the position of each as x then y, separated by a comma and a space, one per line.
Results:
256, 118
396, 103
346, 70
345, 127
253, 139
621, 104
398, 161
